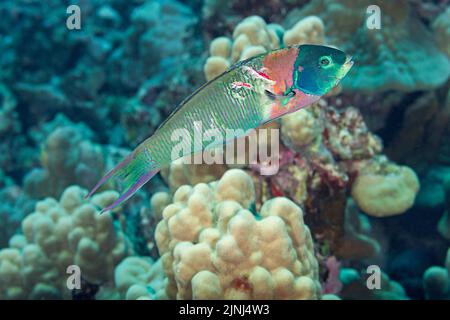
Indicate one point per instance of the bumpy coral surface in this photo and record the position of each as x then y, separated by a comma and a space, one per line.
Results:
213, 247
436, 281
327, 152
385, 189
140, 278
253, 36
55, 236
67, 157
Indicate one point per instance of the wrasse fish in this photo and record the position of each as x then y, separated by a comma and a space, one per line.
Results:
249, 94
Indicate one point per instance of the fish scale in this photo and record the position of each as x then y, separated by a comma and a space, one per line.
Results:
208, 108
250, 93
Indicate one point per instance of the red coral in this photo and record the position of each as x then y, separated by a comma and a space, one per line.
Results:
242, 284
332, 284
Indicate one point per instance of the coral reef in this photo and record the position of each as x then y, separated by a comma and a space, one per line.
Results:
363, 179
253, 36
139, 278
326, 153
220, 15
355, 287
385, 189
106, 75
178, 173
213, 247
401, 55
67, 157
55, 236
14, 207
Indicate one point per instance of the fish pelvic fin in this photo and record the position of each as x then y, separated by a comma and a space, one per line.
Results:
134, 171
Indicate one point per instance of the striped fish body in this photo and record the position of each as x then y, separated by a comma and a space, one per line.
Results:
250, 93
238, 100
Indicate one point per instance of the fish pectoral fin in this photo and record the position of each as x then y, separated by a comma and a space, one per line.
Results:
269, 94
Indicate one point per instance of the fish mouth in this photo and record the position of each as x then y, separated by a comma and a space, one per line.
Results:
348, 62
346, 66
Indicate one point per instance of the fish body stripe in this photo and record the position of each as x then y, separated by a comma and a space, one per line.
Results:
215, 108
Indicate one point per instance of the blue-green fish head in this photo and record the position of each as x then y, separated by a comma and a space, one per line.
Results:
318, 69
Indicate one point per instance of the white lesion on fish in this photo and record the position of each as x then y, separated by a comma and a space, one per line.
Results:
256, 81
238, 89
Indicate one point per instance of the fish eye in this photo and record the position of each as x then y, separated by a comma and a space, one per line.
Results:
325, 61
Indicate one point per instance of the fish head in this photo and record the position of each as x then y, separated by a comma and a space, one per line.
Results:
318, 69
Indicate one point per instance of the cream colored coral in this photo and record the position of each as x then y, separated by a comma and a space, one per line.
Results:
213, 247
220, 47
139, 278
300, 129
255, 28
178, 173
215, 66
253, 36
389, 191
56, 235
308, 30
158, 202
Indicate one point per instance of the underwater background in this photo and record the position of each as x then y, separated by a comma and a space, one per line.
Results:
364, 182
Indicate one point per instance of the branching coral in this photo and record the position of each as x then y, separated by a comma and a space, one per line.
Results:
307, 30
55, 236
140, 278
213, 247
67, 158
178, 173
301, 129
253, 36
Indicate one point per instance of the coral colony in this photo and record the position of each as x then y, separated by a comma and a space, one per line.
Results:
357, 208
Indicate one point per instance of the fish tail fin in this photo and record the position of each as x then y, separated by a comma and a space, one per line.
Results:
134, 171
